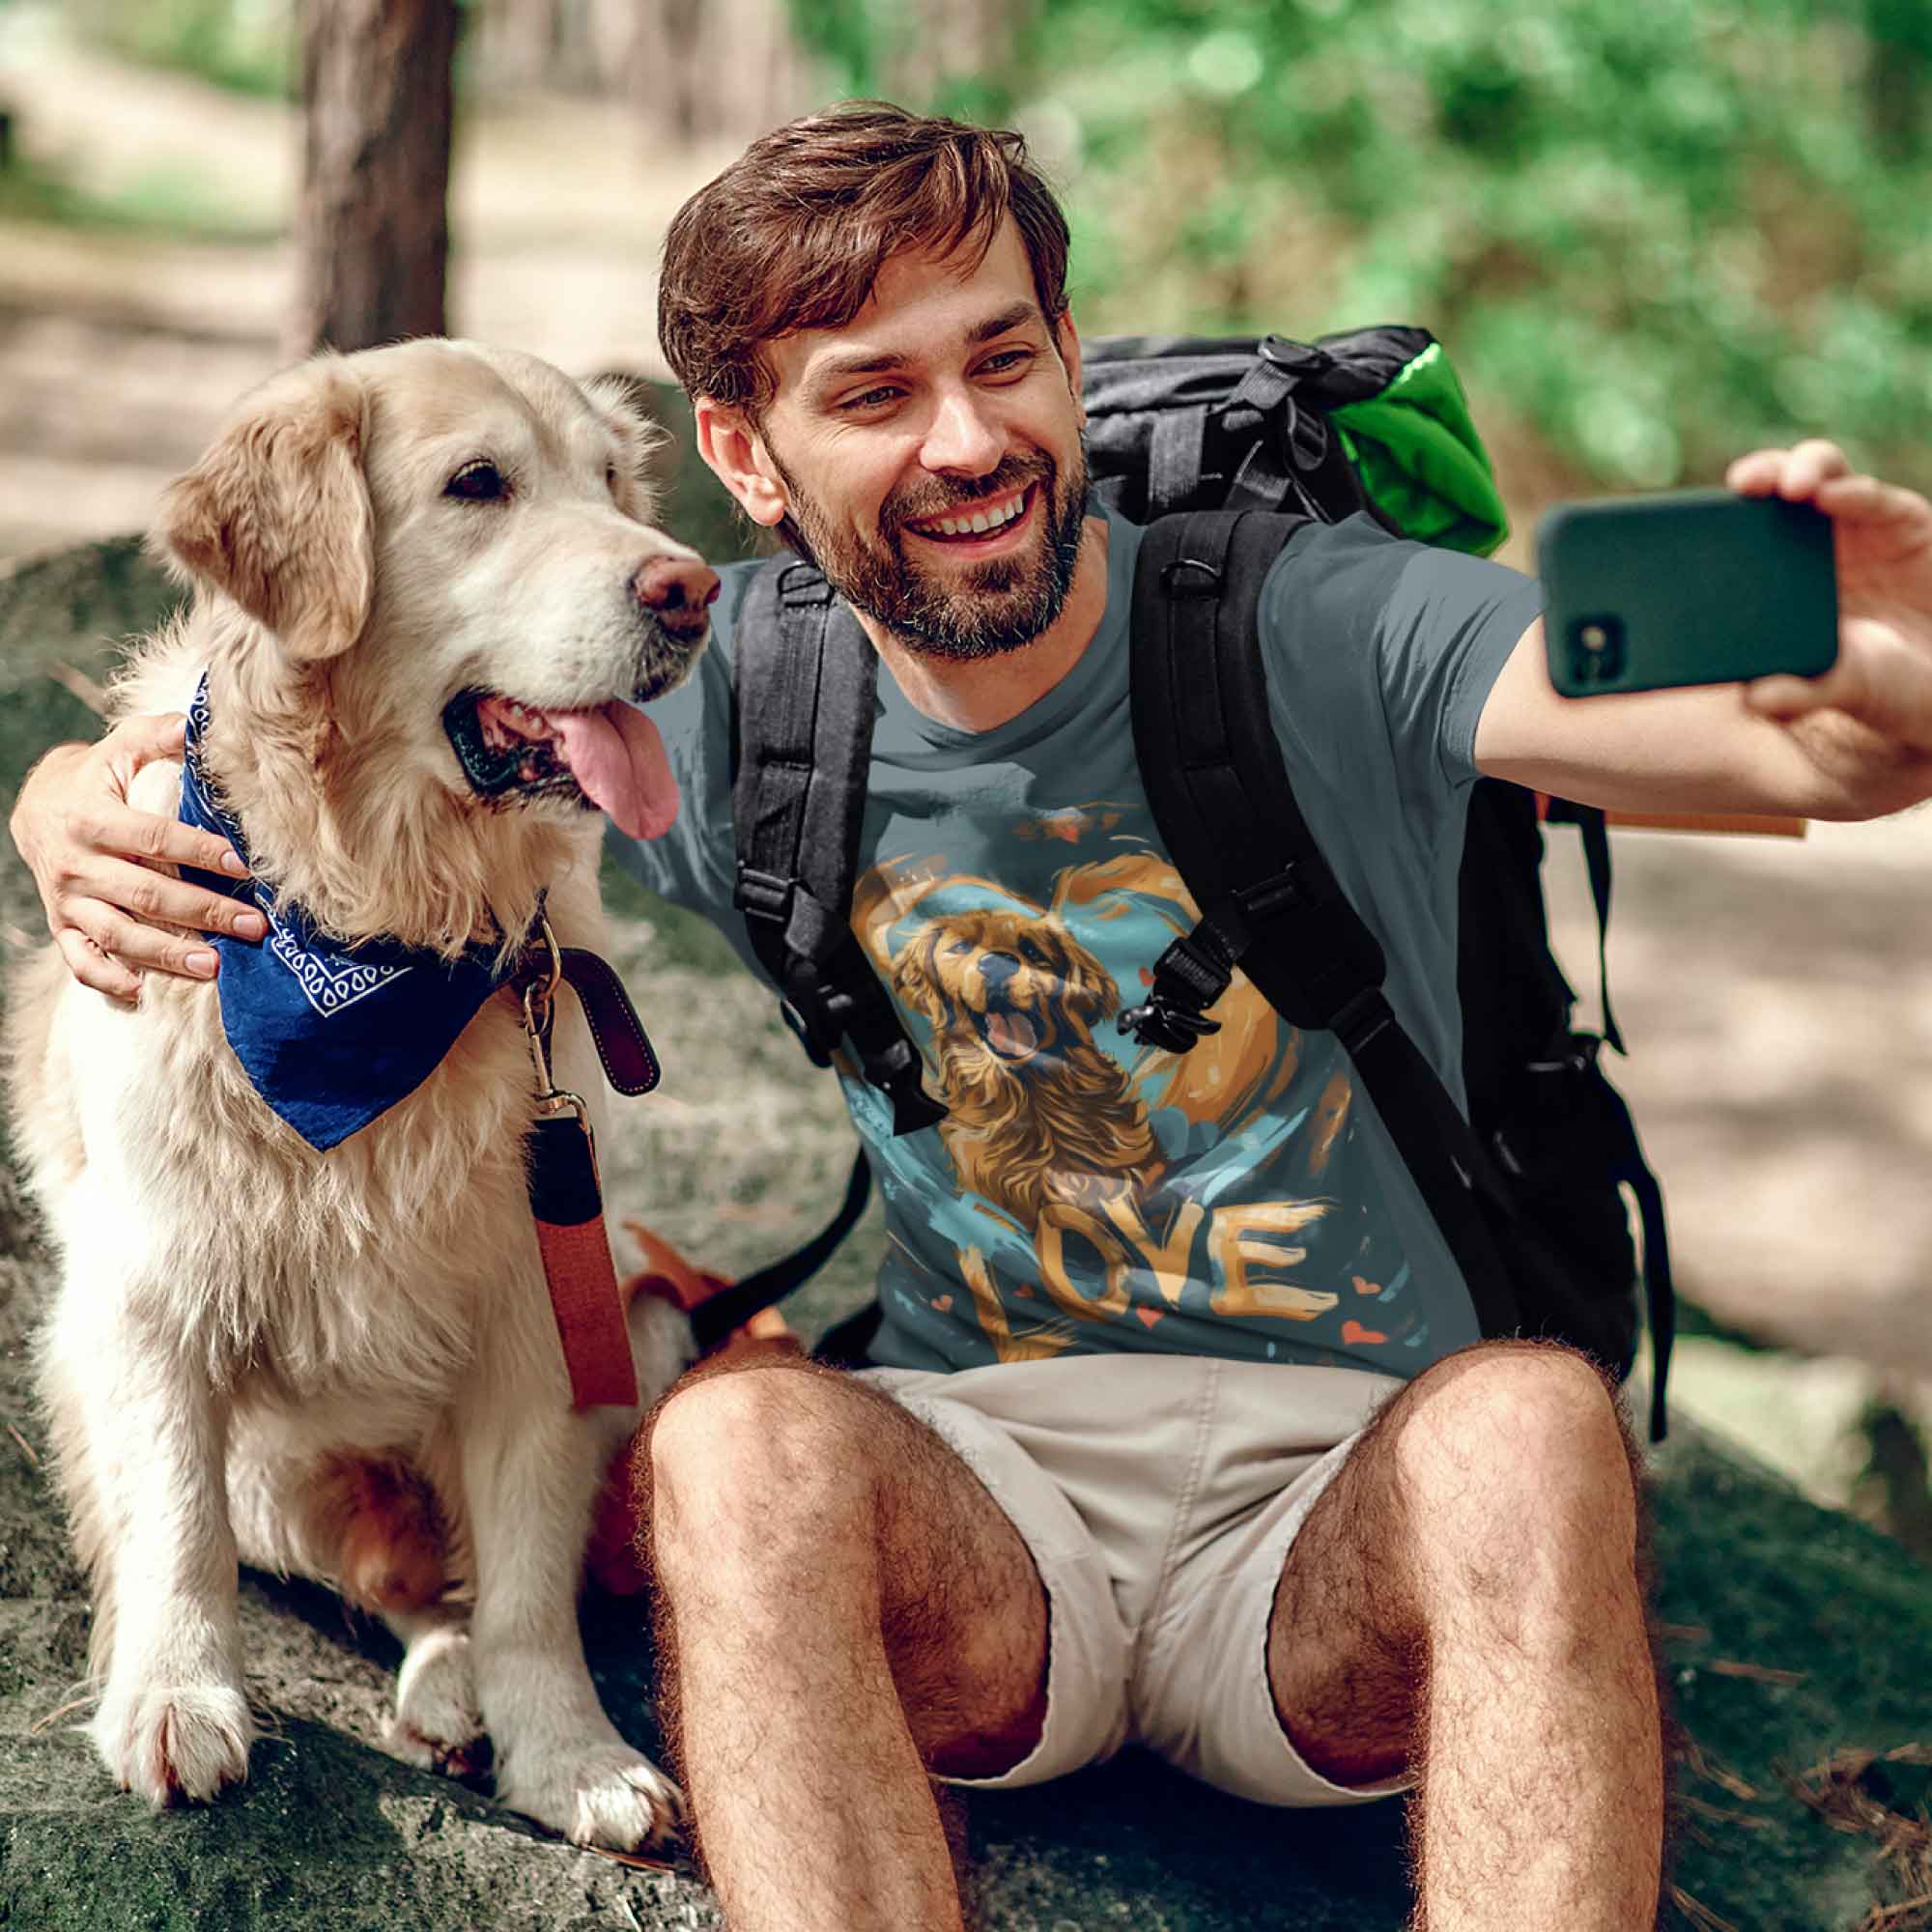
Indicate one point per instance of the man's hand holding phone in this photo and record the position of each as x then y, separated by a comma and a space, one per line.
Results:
1881, 547
1808, 585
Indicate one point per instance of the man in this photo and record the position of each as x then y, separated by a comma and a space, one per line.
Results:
1236, 1478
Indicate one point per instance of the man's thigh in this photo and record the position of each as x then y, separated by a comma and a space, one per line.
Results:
836, 1471
1470, 1464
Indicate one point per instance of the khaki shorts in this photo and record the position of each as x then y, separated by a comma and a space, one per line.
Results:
1158, 1495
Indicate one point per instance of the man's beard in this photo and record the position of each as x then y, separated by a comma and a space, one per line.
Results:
982, 611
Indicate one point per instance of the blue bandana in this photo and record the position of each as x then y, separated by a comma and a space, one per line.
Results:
330, 1036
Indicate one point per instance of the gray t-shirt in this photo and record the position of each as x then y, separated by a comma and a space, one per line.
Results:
1085, 1192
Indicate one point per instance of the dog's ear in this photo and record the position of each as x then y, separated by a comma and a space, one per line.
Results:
624, 402
914, 978
1087, 990
276, 515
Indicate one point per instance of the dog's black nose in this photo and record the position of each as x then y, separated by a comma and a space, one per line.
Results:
997, 968
668, 585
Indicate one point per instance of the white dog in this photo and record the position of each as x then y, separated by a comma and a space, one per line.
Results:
425, 577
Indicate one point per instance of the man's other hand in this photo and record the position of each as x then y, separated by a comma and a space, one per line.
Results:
1882, 536
100, 863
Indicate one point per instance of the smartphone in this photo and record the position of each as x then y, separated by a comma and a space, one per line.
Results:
1691, 587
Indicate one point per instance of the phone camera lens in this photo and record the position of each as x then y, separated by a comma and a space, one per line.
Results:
1597, 650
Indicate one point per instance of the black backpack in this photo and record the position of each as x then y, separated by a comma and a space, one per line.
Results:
1210, 442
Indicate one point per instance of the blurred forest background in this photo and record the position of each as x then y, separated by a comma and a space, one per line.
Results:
1652, 235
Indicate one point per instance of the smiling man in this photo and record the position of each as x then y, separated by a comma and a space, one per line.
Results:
1250, 1489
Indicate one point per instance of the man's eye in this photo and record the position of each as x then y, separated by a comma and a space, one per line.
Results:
871, 399
478, 482
1008, 362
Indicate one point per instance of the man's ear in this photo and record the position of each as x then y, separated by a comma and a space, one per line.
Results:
1067, 339
276, 515
735, 453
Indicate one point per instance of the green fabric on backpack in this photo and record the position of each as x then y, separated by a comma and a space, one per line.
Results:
1420, 460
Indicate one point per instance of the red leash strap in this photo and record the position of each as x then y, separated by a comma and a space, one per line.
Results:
584, 1295
568, 1204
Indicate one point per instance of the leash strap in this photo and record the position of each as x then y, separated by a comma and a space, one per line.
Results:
743, 1301
560, 1156
568, 1207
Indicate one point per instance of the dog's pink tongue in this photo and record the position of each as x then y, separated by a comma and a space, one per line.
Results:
616, 753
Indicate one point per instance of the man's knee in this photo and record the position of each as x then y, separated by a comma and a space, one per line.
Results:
745, 1462
1515, 1453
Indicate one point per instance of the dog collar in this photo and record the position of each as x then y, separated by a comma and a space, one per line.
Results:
330, 1034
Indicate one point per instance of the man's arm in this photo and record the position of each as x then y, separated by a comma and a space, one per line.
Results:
1854, 744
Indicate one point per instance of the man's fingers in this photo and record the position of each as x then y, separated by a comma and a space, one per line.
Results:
146, 835
1864, 500
154, 895
1796, 475
139, 947
93, 967
1878, 679
136, 742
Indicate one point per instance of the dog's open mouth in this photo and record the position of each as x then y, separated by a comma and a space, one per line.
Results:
1011, 1035
611, 756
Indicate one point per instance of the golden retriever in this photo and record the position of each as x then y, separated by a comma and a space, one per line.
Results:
425, 578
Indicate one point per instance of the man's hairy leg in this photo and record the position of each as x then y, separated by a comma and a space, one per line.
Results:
1467, 1599
842, 1610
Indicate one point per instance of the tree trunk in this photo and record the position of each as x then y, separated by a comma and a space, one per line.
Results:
372, 229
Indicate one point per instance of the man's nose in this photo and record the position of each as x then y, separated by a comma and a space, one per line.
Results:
960, 440
677, 587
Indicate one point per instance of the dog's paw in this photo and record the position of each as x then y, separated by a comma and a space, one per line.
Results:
176, 1742
436, 1725
603, 1794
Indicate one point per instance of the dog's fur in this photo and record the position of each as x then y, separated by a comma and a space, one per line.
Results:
345, 1365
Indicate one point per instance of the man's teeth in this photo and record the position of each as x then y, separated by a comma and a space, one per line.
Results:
976, 523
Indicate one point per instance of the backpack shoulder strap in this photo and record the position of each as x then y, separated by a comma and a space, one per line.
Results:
1220, 794
806, 682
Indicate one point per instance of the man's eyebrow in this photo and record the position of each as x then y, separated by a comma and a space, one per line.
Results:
1016, 317
866, 363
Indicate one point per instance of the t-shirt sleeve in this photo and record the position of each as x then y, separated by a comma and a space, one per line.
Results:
694, 863
1377, 645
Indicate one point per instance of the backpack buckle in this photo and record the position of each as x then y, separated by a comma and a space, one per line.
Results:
801, 585
1187, 980
763, 896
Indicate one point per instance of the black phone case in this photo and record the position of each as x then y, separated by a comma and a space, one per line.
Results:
1696, 586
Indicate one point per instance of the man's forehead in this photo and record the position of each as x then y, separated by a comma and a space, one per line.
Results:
922, 301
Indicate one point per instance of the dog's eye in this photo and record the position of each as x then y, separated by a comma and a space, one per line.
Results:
1032, 954
610, 477
478, 482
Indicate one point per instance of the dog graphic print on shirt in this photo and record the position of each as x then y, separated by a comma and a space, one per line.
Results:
1088, 1193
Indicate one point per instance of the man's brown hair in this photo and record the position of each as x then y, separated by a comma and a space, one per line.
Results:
793, 234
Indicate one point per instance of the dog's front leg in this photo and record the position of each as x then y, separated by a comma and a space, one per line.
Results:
530, 1480
173, 1720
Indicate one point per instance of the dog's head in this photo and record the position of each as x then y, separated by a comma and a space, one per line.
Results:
450, 546
1008, 991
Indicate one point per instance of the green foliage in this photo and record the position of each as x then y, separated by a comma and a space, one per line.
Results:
1664, 232
244, 45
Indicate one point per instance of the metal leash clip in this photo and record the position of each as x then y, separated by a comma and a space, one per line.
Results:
552, 1101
